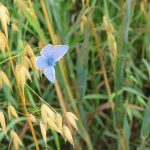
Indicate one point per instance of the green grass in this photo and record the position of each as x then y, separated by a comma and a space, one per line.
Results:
113, 110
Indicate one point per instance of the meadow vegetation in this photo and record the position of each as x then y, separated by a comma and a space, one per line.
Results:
101, 97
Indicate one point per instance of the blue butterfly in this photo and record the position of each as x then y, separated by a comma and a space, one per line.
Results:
49, 56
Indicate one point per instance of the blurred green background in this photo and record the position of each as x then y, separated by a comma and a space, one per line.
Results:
104, 79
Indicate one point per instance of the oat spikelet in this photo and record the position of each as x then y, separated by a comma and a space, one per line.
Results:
16, 140
12, 112
5, 79
28, 51
33, 66
29, 58
47, 112
2, 122
32, 118
4, 18
43, 131
67, 134
3, 42
52, 125
21, 75
26, 62
71, 119
58, 119
43, 115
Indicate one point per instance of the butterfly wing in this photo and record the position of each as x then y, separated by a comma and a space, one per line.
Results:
47, 51
60, 51
41, 62
50, 73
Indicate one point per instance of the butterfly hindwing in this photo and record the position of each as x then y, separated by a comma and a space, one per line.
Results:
41, 62
50, 73
60, 51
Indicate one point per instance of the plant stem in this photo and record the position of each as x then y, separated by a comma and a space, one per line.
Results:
22, 96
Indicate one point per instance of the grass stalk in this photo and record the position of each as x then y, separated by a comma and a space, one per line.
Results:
22, 96
59, 94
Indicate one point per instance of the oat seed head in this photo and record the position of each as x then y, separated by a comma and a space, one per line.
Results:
4, 79
22, 74
2, 122
58, 119
51, 124
4, 18
3, 42
71, 118
43, 131
16, 140
26, 62
45, 110
28, 51
32, 118
67, 134
12, 112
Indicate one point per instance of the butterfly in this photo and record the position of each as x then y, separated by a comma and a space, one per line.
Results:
49, 56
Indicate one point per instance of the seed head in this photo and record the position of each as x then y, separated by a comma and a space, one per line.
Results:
4, 18
32, 118
71, 119
47, 112
16, 140
51, 124
58, 119
43, 131
3, 42
21, 75
4, 79
2, 122
12, 112
67, 134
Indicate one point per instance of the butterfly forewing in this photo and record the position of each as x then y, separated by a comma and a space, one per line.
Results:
47, 51
60, 51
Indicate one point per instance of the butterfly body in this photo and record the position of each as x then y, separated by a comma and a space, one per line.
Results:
49, 56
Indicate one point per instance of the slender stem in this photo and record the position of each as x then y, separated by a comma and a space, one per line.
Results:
52, 35
22, 96
101, 59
